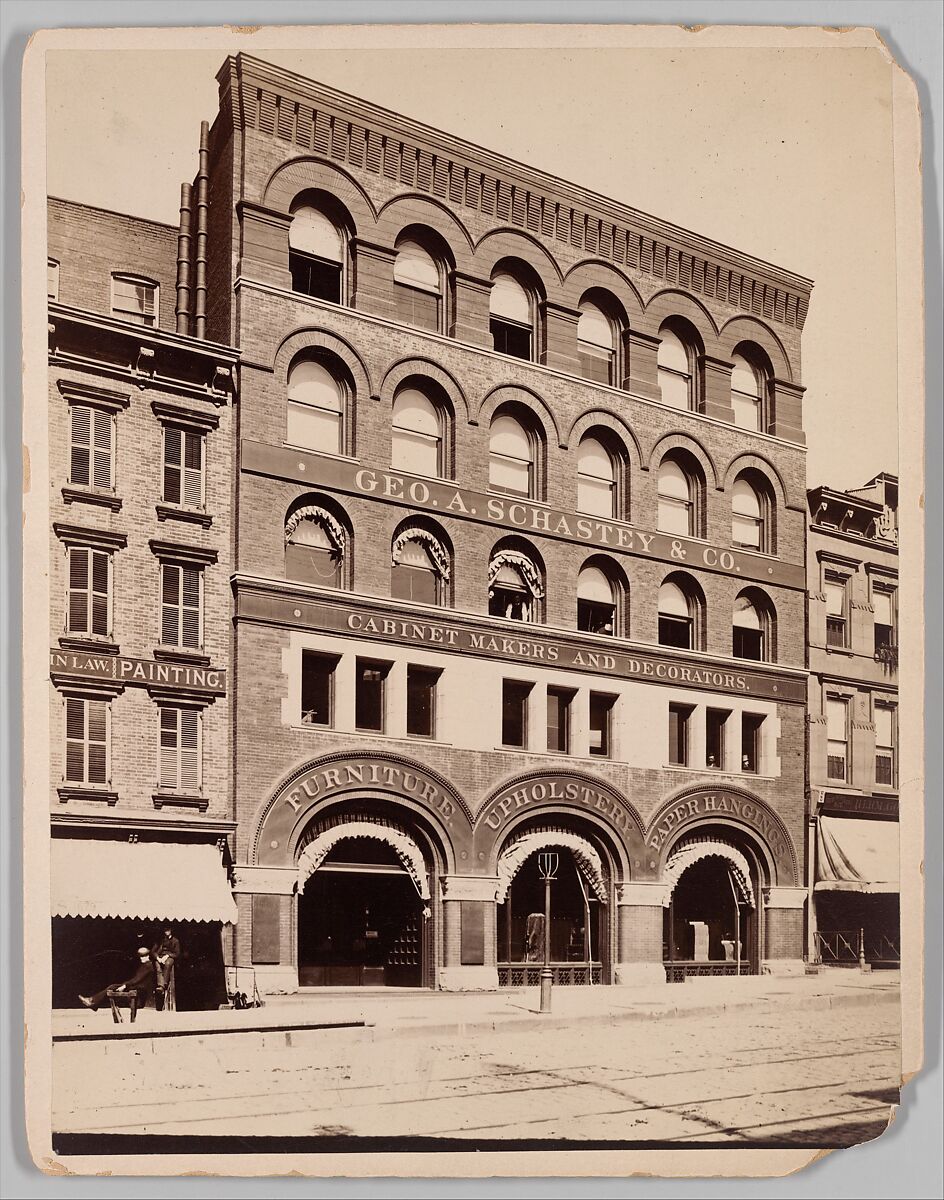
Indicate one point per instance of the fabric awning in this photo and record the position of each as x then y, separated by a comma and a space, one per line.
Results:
149, 881
856, 855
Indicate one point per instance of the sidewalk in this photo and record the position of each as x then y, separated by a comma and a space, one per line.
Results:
393, 1012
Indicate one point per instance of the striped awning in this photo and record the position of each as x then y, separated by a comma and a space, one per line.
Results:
148, 881
856, 855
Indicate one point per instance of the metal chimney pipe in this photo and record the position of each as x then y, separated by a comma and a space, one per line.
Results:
183, 259
202, 210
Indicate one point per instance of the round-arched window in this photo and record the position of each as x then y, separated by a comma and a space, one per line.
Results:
417, 440
674, 363
511, 318
747, 394
748, 523
676, 617
316, 406
596, 479
596, 344
596, 602
418, 284
316, 254
511, 457
676, 499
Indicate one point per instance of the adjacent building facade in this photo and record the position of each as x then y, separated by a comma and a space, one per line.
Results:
507, 558
853, 716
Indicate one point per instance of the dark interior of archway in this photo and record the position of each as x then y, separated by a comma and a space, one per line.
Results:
703, 894
572, 938
360, 920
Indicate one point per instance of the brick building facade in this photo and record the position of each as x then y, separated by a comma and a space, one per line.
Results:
853, 716
141, 457
517, 561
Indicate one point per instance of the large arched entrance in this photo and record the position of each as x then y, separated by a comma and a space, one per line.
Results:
580, 904
366, 886
713, 892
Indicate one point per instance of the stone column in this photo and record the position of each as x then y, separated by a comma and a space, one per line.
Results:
560, 338
468, 933
469, 321
716, 387
373, 279
263, 251
786, 411
784, 921
639, 933
265, 900
640, 365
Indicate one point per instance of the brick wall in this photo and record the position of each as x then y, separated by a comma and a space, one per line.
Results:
91, 243
784, 933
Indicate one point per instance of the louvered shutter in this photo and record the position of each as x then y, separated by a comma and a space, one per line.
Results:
172, 464
79, 589
190, 606
103, 428
75, 740
170, 604
100, 570
168, 748
97, 741
189, 750
193, 470
80, 468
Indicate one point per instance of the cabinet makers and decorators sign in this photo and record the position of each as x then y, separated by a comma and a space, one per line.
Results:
257, 602
137, 672
510, 513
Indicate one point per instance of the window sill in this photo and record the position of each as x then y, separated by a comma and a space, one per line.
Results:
717, 771
844, 651
348, 458
180, 800
79, 495
74, 792
193, 516
93, 645
182, 654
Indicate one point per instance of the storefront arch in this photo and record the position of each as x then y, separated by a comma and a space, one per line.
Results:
714, 879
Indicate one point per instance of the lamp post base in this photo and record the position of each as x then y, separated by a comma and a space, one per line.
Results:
547, 976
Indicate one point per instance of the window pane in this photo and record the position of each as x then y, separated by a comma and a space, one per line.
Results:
314, 277
747, 411
835, 599
418, 584
882, 604
746, 615
745, 531
509, 475
317, 677
418, 308
601, 709
310, 382
509, 300
750, 741
558, 722
715, 721
883, 725
313, 428
514, 712
511, 339
415, 453
309, 564
592, 584
312, 232
369, 694
836, 712
678, 734
672, 352
415, 267
420, 701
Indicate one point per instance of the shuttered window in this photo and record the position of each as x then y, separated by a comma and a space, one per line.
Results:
93, 441
181, 608
89, 580
183, 467
86, 740
179, 755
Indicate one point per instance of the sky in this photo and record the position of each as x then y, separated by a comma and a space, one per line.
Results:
783, 154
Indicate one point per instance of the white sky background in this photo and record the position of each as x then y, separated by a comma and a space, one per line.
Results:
783, 154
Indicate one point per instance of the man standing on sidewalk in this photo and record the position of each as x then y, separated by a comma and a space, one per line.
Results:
142, 981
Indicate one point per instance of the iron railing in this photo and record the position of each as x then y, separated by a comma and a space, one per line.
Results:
678, 972
855, 947
564, 974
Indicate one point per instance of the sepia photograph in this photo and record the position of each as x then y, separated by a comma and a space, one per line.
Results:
465, 524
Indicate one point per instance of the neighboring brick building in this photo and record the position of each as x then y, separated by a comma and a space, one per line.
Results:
518, 561
853, 715
141, 479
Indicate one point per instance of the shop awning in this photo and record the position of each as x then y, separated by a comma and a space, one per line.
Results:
856, 855
148, 881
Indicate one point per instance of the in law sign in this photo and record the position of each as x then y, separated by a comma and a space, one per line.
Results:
137, 672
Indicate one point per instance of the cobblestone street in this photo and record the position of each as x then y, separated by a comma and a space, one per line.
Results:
734, 1078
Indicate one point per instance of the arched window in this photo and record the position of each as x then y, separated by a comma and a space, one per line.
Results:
420, 566
418, 286
511, 318
511, 457
417, 441
596, 479
748, 385
317, 404
751, 628
596, 344
315, 547
515, 586
749, 522
675, 374
677, 499
316, 254
596, 601
677, 612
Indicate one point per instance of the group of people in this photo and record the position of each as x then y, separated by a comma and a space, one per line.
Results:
155, 975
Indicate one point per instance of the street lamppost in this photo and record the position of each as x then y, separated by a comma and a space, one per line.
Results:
547, 869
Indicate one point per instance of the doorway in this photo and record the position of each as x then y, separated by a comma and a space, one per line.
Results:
708, 927
361, 922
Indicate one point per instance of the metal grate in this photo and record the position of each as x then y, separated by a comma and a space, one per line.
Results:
678, 972
564, 974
